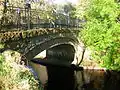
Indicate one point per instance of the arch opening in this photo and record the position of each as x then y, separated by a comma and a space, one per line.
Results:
64, 52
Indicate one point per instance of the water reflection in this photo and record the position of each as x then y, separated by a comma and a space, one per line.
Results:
98, 80
86, 80
60, 74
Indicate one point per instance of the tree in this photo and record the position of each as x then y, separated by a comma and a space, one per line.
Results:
101, 32
18, 8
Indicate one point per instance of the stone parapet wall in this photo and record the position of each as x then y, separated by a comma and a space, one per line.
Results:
16, 35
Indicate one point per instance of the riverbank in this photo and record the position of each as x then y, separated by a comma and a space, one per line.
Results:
90, 64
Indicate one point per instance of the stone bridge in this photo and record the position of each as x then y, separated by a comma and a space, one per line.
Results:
31, 42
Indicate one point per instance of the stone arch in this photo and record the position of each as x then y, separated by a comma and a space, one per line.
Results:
52, 43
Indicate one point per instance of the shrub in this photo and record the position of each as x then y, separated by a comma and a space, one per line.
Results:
102, 31
14, 76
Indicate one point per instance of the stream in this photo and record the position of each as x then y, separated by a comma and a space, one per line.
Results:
90, 79
98, 79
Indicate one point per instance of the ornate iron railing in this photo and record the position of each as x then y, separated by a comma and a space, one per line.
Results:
23, 19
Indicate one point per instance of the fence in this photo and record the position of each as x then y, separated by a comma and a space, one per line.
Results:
26, 18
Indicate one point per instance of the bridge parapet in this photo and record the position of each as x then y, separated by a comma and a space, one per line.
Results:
31, 42
17, 35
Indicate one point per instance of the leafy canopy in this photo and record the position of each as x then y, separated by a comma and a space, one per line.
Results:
102, 30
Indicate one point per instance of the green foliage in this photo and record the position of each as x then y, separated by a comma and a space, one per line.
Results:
1, 46
41, 9
102, 31
14, 76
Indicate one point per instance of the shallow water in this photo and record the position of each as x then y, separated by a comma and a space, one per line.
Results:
89, 79
98, 80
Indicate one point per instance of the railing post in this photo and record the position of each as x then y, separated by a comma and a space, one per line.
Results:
27, 9
18, 19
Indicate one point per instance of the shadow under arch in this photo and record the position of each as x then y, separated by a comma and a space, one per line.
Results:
67, 50
38, 48
60, 76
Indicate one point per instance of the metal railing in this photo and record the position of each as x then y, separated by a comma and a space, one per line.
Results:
24, 19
